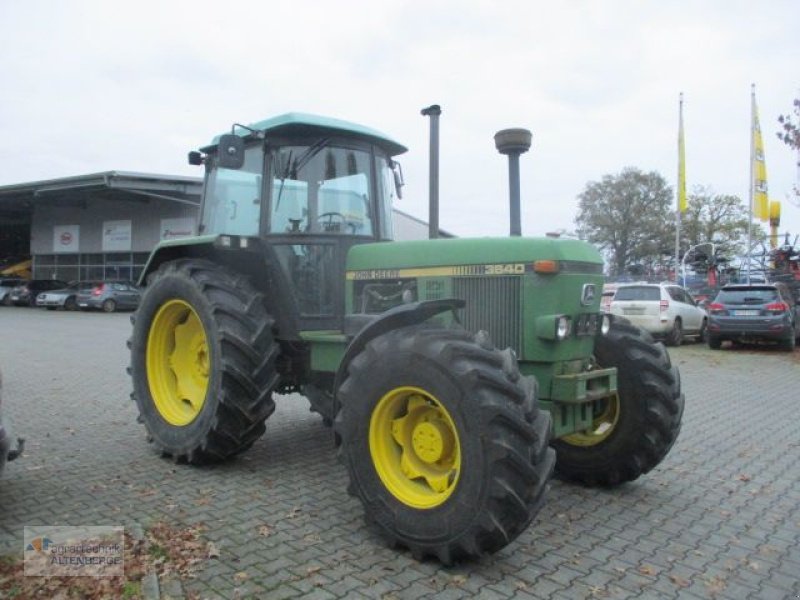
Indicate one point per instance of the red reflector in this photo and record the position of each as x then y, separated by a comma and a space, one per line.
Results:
716, 307
664, 305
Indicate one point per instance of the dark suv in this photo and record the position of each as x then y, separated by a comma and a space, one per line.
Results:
755, 312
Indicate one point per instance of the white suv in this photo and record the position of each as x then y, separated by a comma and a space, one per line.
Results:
666, 311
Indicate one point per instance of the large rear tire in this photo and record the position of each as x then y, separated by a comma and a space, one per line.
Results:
443, 441
202, 361
634, 432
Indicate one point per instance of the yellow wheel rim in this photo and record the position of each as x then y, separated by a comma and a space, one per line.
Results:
414, 446
178, 363
603, 424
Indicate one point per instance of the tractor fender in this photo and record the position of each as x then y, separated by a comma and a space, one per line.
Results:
194, 247
394, 318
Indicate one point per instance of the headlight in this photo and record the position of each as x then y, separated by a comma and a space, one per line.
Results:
605, 325
562, 327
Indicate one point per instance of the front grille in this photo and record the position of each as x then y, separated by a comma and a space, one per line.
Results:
434, 289
494, 304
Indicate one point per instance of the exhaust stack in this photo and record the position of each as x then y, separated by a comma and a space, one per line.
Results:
513, 142
433, 112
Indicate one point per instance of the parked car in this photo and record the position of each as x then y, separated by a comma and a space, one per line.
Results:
109, 296
66, 298
10, 448
754, 312
25, 293
666, 311
6, 285
609, 289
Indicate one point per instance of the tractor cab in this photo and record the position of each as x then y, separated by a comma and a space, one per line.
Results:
311, 188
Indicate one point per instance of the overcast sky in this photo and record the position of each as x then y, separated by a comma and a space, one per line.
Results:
95, 86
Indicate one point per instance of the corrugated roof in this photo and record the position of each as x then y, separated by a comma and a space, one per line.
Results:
120, 184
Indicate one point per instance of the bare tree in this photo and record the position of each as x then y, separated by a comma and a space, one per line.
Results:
628, 216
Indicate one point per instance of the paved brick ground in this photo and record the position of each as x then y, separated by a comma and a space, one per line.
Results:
719, 518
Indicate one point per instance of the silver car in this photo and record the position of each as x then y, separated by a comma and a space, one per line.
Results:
109, 296
64, 298
6, 285
666, 311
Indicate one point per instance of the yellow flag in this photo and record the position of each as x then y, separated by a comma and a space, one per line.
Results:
760, 200
681, 165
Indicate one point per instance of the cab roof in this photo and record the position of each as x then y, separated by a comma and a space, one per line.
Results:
295, 123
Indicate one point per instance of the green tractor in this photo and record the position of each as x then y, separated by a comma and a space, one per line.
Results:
294, 284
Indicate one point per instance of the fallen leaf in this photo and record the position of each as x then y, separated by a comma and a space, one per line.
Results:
647, 570
264, 531
716, 584
679, 581
240, 576
743, 477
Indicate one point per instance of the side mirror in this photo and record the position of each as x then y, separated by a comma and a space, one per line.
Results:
195, 158
230, 152
397, 171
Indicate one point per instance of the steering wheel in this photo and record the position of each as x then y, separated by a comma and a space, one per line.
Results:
334, 221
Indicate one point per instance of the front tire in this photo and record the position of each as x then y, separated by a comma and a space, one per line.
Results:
202, 361
443, 442
635, 431
703, 335
109, 306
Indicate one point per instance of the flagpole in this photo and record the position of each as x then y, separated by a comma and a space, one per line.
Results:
678, 260
752, 175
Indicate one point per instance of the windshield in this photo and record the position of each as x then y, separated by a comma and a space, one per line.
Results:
232, 202
747, 296
321, 189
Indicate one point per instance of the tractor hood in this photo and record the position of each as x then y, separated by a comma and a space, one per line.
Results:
462, 252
